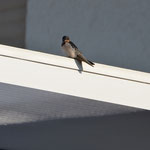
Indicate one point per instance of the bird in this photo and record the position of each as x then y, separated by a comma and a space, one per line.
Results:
72, 51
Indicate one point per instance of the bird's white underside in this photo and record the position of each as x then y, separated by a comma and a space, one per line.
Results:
69, 51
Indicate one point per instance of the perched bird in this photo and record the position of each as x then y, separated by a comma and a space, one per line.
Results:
72, 51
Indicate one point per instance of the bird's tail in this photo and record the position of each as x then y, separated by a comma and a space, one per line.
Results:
82, 58
90, 63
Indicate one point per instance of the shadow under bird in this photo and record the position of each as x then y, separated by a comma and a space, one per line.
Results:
72, 51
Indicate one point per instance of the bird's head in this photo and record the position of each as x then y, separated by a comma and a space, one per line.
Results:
65, 39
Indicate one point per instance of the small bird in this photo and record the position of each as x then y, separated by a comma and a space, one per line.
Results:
72, 51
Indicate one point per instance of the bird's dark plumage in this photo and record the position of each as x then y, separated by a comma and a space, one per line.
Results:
73, 45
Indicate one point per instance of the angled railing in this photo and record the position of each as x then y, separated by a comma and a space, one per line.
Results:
64, 75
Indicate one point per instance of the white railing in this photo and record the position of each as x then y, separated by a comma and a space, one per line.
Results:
64, 75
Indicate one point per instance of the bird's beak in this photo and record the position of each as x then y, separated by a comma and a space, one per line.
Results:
67, 41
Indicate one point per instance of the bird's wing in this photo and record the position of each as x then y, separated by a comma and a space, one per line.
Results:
73, 45
81, 57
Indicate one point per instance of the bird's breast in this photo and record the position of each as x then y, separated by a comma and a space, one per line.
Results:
70, 52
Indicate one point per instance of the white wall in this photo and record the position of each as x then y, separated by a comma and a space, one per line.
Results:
110, 32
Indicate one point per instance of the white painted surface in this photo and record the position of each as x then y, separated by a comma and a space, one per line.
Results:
70, 63
68, 81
